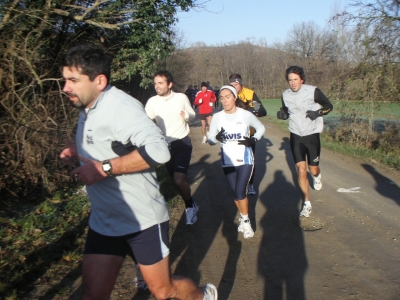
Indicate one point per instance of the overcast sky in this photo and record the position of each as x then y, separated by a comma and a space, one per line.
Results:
236, 20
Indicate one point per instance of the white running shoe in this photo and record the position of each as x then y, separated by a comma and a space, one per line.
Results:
317, 182
191, 216
247, 230
241, 225
204, 140
251, 190
306, 211
210, 292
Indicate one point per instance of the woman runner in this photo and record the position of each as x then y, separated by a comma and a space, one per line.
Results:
231, 127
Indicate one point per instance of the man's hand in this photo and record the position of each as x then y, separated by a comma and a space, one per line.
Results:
200, 101
281, 114
90, 172
69, 155
313, 114
220, 135
184, 114
247, 141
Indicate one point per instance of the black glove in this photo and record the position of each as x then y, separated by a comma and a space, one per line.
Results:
281, 114
248, 141
313, 114
220, 136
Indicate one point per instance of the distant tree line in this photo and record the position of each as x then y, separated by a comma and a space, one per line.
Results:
356, 57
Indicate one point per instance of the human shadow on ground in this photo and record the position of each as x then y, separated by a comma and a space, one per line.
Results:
190, 244
282, 259
384, 185
285, 145
261, 158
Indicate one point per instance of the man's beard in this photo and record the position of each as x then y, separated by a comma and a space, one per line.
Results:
77, 104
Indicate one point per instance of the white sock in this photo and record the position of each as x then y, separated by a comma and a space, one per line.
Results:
244, 217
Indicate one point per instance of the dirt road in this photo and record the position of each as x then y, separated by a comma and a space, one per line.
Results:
347, 249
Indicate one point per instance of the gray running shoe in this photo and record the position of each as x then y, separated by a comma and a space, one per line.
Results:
210, 292
251, 190
317, 182
191, 216
306, 211
204, 140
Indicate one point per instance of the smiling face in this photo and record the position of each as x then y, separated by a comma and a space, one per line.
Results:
295, 81
81, 91
228, 101
162, 87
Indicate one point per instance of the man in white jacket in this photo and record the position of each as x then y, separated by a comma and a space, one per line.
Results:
172, 112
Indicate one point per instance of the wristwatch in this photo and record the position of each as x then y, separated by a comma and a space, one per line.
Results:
107, 167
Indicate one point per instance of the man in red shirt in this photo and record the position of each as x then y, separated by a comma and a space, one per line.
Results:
205, 100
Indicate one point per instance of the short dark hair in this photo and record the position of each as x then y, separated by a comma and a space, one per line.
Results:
89, 59
235, 76
296, 70
166, 74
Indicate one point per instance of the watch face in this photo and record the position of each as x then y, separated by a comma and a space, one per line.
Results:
106, 167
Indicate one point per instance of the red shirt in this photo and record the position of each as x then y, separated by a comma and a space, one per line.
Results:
207, 97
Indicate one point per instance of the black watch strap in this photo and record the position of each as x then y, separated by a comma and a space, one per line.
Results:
107, 167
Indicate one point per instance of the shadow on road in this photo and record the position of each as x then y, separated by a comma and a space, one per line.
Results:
282, 259
261, 157
384, 185
190, 244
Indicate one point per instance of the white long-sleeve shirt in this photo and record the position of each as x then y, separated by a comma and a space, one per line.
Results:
166, 112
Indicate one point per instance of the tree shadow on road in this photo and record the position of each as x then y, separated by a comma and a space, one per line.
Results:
282, 259
384, 185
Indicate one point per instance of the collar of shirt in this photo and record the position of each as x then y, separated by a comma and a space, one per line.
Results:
166, 98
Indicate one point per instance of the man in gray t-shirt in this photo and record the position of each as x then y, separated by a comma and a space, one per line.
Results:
118, 147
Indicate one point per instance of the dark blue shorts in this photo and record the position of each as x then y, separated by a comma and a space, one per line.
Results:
146, 247
238, 178
181, 153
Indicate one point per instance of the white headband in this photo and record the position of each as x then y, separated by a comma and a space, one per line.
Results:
229, 87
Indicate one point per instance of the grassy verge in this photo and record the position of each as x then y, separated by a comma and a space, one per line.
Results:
43, 245
42, 248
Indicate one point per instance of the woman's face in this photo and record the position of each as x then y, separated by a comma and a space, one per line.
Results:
228, 100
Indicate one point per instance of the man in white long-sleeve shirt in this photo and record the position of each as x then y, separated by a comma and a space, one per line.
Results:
172, 112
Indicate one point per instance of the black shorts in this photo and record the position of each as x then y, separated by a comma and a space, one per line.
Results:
204, 116
181, 153
146, 247
306, 146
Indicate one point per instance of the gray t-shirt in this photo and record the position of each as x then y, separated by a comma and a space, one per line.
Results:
115, 125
